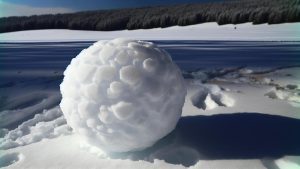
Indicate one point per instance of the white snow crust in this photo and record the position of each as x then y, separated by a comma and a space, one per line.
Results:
205, 31
49, 124
122, 95
209, 97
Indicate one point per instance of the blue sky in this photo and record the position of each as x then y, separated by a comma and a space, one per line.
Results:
96, 4
37, 7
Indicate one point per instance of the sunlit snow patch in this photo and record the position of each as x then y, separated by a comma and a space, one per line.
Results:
122, 95
49, 124
290, 95
288, 162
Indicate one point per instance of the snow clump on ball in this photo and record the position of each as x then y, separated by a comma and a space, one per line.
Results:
122, 95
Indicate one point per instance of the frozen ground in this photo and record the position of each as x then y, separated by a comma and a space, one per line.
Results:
228, 121
206, 31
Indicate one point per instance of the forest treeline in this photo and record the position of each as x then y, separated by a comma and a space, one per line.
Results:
225, 12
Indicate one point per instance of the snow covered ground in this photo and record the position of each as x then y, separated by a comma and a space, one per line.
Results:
206, 31
234, 117
229, 121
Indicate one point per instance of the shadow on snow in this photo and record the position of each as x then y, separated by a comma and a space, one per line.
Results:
225, 136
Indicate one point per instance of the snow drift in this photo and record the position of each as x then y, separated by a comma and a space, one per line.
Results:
122, 95
208, 97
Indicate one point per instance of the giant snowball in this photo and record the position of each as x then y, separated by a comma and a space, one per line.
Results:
122, 95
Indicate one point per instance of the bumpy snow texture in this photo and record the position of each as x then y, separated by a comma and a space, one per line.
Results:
122, 95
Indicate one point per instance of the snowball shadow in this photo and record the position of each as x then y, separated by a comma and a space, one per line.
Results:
225, 136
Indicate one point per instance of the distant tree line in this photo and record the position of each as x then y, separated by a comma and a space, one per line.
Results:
225, 12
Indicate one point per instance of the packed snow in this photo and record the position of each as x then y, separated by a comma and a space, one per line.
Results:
209, 97
205, 31
122, 95
49, 124
285, 94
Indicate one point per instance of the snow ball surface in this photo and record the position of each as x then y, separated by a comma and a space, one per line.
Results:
122, 95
